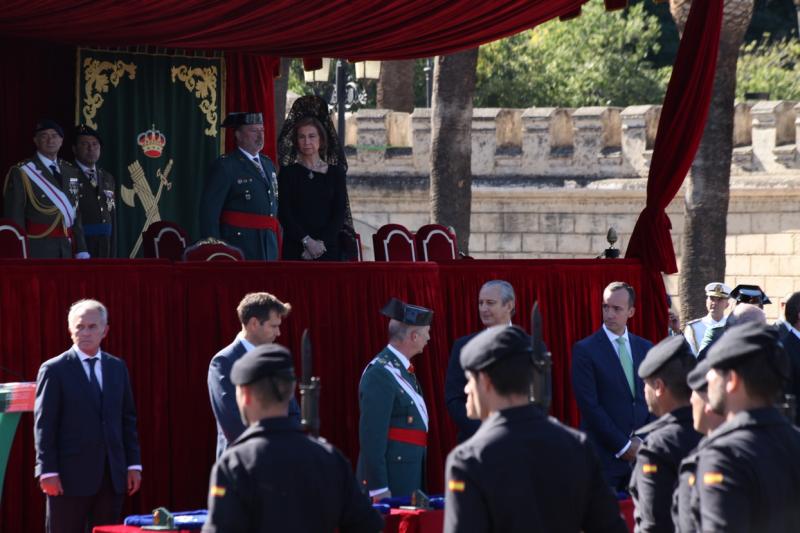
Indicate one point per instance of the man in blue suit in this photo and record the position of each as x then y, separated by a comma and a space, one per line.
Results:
87, 447
261, 315
607, 387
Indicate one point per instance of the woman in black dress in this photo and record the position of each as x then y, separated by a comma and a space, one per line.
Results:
312, 197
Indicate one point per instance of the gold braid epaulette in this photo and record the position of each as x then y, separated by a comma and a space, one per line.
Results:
50, 211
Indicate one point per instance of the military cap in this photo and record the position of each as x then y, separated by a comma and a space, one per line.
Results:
263, 361
662, 353
697, 377
718, 290
83, 129
236, 119
493, 345
413, 315
748, 340
47, 124
749, 294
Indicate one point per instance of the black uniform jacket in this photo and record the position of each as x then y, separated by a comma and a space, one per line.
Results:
276, 478
667, 441
748, 475
525, 472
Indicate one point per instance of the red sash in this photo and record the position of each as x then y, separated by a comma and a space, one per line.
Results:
409, 436
253, 221
38, 231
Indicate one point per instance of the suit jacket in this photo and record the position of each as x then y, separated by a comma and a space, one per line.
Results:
384, 404
223, 396
235, 184
19, 207
74, 434
454, 396
97, 205
792, 346
609, 412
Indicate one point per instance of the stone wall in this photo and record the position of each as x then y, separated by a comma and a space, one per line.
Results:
550, 182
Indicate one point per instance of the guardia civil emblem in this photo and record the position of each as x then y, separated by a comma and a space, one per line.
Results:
152, 144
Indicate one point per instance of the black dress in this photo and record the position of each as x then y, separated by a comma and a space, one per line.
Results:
311, 203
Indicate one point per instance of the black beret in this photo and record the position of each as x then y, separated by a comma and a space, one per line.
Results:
47, 124
750, 294
413, 315
262, 361
236, 119
748, 340
697, 377
495, 344
83, 129
663, 352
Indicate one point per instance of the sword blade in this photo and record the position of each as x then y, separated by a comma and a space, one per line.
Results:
306, 357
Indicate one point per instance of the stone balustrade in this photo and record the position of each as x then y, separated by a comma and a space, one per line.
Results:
550, 142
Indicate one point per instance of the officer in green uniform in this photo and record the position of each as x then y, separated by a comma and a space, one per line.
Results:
95, 193
41, 196
667, 440
240, 200
392, 429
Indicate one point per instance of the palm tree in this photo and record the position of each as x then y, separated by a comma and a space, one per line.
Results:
708, 188
396, 86
451, 142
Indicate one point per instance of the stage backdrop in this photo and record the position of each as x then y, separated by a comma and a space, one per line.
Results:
159, 116
167, 320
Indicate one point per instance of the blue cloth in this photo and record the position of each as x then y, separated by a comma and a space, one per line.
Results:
436, 502
454, 396
185, 520
97, 230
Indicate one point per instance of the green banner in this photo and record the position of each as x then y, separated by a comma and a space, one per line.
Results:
159, 118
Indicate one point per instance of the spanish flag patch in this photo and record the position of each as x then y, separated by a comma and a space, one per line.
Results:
456, 486
691, 480
218, 491
649, 468
713, 478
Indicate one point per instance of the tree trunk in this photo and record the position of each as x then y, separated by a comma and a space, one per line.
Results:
281, 86
451, 142
708, 187
396, 86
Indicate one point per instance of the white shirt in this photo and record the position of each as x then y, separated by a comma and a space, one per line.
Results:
247, 344
84, 168
612, 337
48, 162
792, 329
403, 359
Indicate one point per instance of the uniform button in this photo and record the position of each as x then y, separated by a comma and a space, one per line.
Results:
399, 458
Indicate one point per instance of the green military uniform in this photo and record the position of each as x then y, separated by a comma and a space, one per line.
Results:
386, 407
29, 207
97, 206
240, 199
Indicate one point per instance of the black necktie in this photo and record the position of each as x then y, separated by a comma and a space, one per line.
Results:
257, 162
54, 171
98, 392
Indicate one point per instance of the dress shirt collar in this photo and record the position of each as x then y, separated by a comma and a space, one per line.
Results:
48, 162
84, 168
403, 358
247, 344
84, 356
613, 336
792, 329
250, 156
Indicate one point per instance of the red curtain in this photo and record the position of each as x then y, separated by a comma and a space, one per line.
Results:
683, 119
392, 29
168, 320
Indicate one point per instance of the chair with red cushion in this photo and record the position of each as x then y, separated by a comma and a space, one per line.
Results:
164, 240
393, 242
435, 242
212, 250
13, 240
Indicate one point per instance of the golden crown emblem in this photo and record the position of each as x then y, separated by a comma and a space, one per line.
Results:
152, 142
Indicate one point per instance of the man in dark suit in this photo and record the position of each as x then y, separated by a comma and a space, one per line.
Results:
95, 193
496, 303
240, 200
260, 314
41, 196
609, 392
87, 447
791, 343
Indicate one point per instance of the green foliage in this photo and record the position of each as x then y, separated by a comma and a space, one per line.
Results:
769, 67
599, 58
297, 83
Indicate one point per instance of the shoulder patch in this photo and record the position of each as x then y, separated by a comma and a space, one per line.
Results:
691, 480
649, 468
713, 478
455, 486
217, 491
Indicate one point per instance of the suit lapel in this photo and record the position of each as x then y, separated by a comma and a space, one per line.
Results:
80, 377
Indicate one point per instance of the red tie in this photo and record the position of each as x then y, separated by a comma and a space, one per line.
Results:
410, 369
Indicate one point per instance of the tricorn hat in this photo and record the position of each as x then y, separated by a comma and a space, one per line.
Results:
413, 315
750, 294
237, 118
